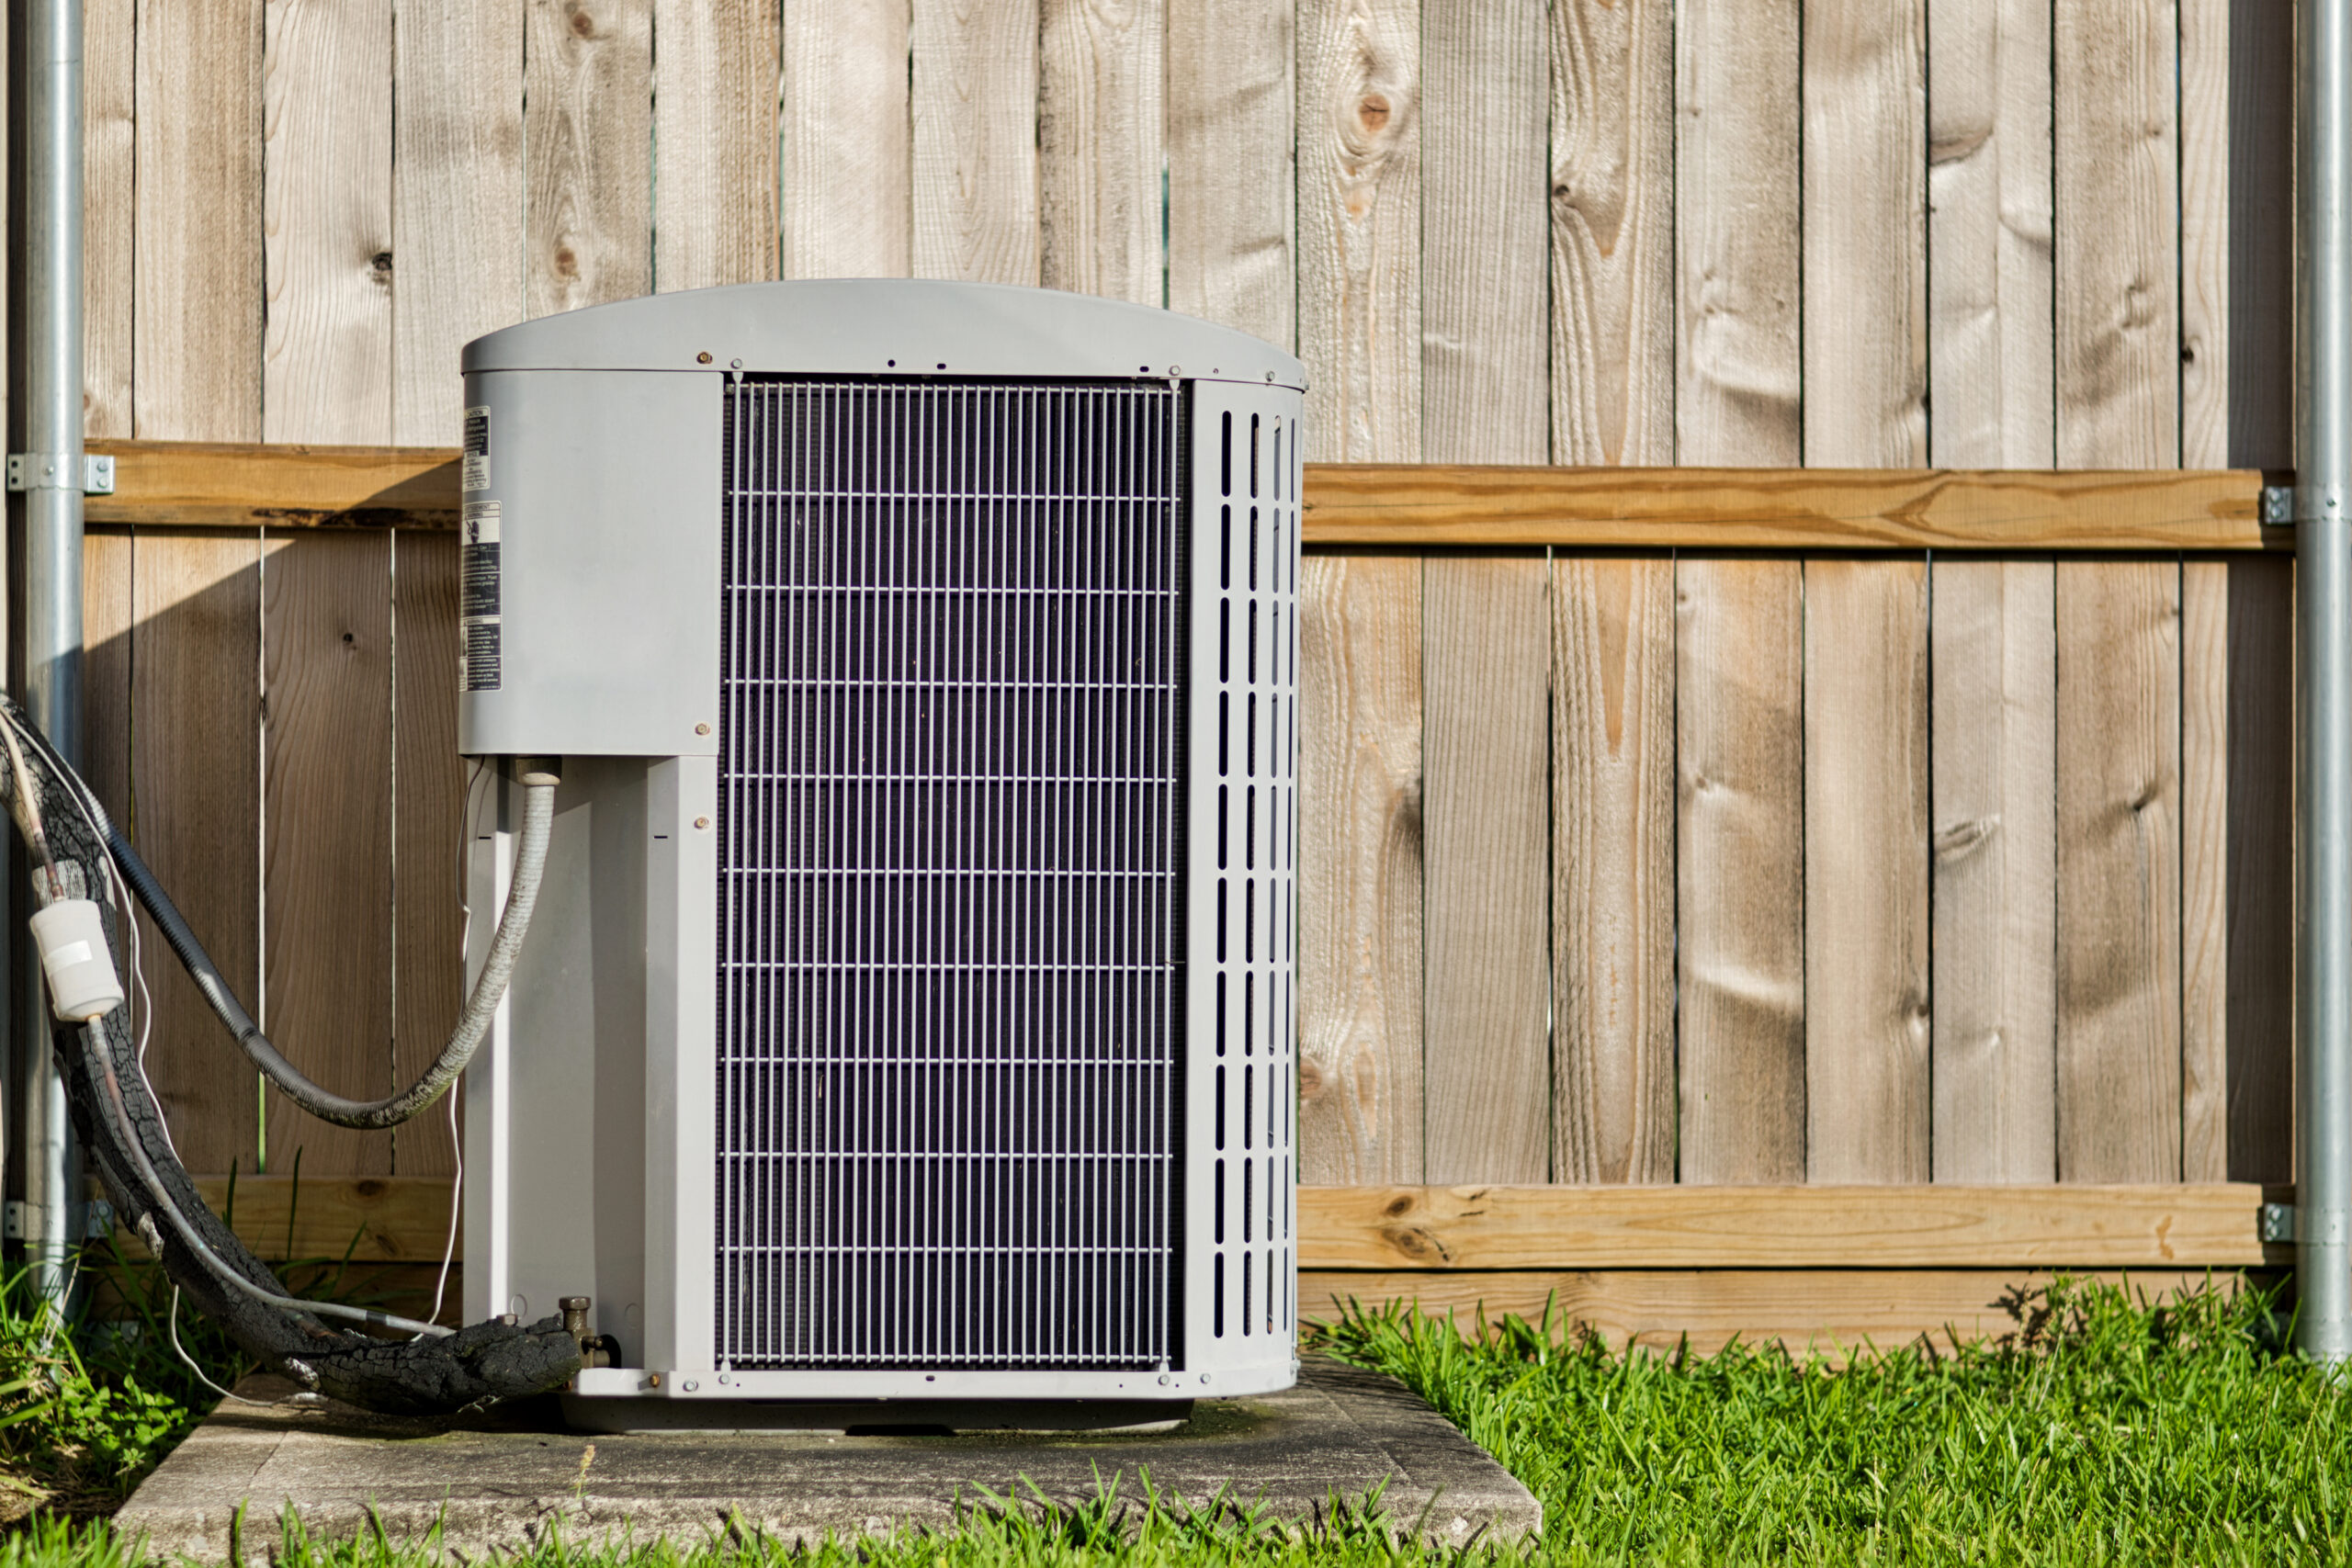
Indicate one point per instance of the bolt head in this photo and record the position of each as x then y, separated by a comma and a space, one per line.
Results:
702, 821
702, 730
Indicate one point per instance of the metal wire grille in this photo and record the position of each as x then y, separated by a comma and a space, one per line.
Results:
951, 875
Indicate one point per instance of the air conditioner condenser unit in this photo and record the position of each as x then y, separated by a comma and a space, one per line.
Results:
908, 1013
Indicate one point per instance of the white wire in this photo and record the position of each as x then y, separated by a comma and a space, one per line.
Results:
189, 1360
457, 1142
124, 901
456, 1195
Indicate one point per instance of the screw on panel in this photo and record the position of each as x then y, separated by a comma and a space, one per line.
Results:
702, 821
703, 358
2277, 505
2277, 1222
702, 730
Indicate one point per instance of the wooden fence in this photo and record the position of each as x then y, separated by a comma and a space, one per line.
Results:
1685, 852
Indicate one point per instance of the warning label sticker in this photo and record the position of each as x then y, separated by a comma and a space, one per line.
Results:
479, 622
475, 471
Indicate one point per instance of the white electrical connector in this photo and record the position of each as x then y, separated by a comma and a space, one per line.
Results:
72, 936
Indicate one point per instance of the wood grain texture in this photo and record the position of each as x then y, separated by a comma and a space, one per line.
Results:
1612, 869
196, 813
1487, 1071
1737, 217
1413, 505
587, 176
714, 94
1809, 509
1741, 869
1866, 933
457, 199
1865, 318
2203, 243
1819, 1225
2119, 871
2117, 185
975, 107
327, 212
1359, 227
1360, 869
1991, 374
1995, 765
2260, 1023
1100, 146
1613, 227
846, 149
1835, 1314
197, 331
1484, 239
379, 1219
242, 486
109, 210
109, 623
326, 838
428, 803
1232, 167
2204, 869
2261, 340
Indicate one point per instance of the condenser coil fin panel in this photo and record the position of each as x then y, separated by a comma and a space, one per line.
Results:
951, 872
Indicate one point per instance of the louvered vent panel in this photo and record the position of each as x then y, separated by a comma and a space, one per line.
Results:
952, 876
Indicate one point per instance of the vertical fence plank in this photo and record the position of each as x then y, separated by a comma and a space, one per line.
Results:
1995, 690
2119, 871
1736, 221
1485, 653
714, 142
195, 814
2260, 1023
1101, 147
428, 804
1865, 316
1612, 868
1990, 367
2204, 247
1740, 870
1232, 167
327, 153
1484, 241
1359, 227
847, 156
975, 101
456, 194
1612, 226
1485, 645
2204, 869
108, 623
1360, 870
197, 328
2261, 368
587, 127
2118, 211
326, 836
1868, 1115
110, 195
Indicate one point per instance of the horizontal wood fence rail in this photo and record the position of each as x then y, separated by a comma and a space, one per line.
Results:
1484, 1230
1425, 506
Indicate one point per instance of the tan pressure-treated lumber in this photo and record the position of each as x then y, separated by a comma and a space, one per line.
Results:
1411, 505
1386, 1232
2052, 1226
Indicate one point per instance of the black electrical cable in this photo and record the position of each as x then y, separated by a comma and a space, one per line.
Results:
473, 1024
125, 1143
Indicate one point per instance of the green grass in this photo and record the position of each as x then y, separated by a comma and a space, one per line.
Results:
2113, 1432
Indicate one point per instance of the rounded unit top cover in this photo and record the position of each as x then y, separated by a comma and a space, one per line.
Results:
887, 327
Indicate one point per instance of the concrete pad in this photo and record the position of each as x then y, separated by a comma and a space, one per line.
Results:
506, 1479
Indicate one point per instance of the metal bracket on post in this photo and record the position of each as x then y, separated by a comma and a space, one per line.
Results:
2277, 506
2277, 1223
45, 470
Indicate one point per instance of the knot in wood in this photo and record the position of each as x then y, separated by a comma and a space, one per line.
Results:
1371, 113
582, 24
567, 264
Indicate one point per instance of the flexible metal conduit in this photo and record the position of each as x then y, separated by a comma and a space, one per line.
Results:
2324, 580
52, 649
